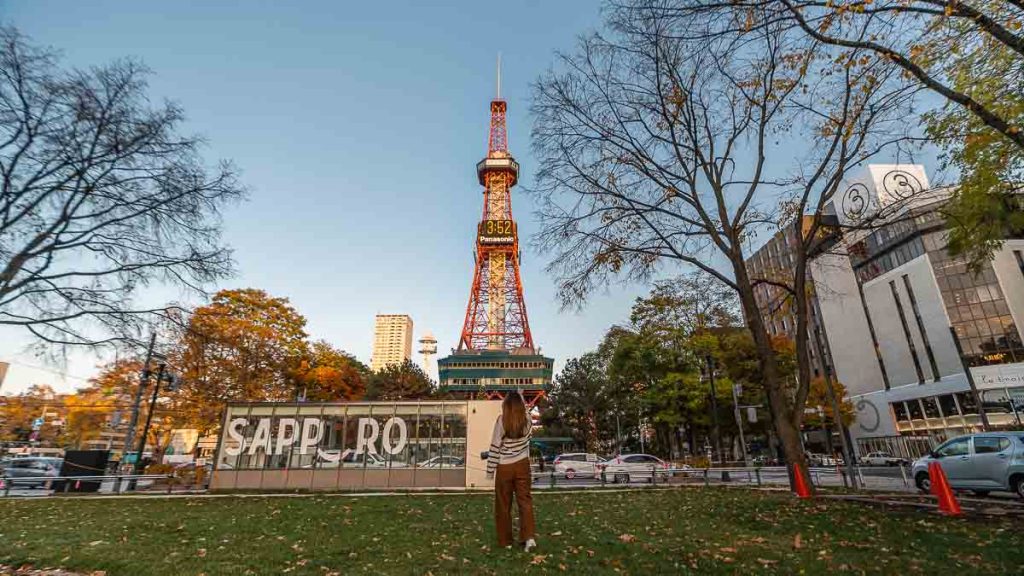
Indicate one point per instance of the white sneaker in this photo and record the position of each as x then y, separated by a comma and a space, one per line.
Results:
530, 545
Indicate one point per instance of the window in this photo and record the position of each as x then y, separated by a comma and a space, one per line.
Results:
931, 407
977, 308
948, 405
955, 447
915, 410
990, 445
899, 409
967, 403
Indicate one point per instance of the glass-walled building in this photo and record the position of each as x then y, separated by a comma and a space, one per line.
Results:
328, 446
901, 317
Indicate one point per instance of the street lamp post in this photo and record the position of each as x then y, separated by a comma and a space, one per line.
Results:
716, 431
736, 391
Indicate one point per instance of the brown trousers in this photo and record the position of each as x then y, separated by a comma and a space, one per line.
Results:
509, 479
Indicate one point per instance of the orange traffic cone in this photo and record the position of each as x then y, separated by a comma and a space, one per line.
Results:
940, 487
801, 485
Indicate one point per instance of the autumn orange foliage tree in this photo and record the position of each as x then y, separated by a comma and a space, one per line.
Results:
328, 374
103, 403
243, 345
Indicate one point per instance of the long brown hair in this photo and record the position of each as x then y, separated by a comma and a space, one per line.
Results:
513, 416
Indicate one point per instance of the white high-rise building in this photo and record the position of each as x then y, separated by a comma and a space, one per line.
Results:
392, 340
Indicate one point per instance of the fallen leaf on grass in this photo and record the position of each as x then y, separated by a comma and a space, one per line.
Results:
727, 550
538, 559
559, 533
765, 562
201, 552
627, 538
798, 542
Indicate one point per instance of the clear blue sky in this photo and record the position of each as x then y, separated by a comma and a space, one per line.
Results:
358, 126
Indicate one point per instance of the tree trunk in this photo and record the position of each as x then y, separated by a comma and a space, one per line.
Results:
787, 422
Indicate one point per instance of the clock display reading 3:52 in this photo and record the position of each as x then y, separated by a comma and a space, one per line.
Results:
497, 231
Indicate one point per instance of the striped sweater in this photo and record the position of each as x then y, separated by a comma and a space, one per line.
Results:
506, 450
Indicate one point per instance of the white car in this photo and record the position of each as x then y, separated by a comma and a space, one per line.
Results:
350, 459
444, 462
820, 459
881, 459
626, 466
578, 464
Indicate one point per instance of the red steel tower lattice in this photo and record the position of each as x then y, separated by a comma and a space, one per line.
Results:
496, 314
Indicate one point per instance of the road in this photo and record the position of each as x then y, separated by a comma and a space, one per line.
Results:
883, 479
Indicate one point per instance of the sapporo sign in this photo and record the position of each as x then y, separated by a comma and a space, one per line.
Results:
312, 433
325, 446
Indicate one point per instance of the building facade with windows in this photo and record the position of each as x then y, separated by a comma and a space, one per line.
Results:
903, 318
773, 262
392, 340
900, 318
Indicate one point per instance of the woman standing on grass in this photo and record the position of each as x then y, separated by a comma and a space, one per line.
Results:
508, 462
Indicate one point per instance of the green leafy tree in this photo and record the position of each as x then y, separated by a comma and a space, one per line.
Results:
581, 404
405, 381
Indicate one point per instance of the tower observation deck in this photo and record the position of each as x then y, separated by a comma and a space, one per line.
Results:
496, 353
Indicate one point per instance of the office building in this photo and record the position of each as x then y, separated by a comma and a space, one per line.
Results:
901, 318
392, 340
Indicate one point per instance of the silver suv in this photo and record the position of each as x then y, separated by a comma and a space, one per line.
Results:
32, 471
978, 462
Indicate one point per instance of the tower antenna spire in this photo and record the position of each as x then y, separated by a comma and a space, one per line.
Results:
499, 77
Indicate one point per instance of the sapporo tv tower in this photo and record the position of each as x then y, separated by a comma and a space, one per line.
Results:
496, 354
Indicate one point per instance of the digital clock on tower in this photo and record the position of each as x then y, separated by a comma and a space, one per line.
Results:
497, 231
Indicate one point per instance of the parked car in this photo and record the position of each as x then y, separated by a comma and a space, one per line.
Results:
978, 462
38, 468
623, 467
684, 470
351, 459
578, 464
444, 462
821, 459
881, 459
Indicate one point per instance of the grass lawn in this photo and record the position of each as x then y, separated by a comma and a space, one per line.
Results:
648, 532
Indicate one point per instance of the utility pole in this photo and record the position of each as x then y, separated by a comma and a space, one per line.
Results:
970, 381
129, 437
149, 417
618, 431
844, 433
710, 361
